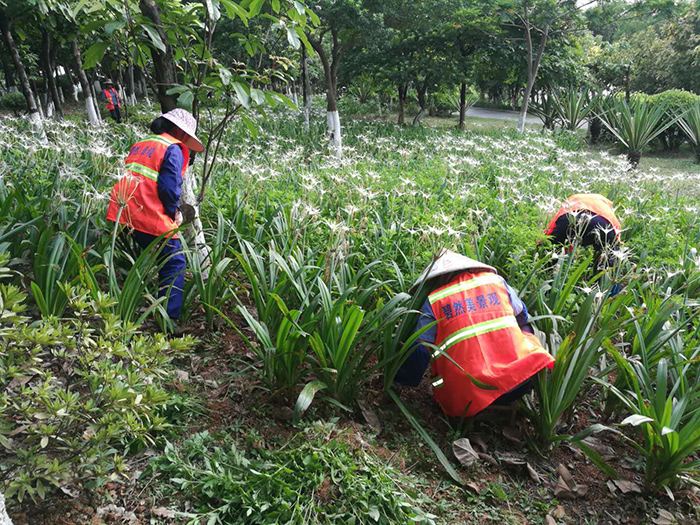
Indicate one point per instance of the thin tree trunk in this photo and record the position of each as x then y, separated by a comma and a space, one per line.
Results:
533, 66
421, 90
71, 81
329, 72
306, 89
84, 85
462, 104
131, 84
48, 72
403, 92
94, 86
32, 107
163, 62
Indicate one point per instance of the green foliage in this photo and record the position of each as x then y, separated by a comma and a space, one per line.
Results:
77, 396
13, 102
317, 477
636, 124
677, 102
690, 124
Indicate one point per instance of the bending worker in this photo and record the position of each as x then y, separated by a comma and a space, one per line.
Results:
147, 199
589, 216
109, 95
483, 326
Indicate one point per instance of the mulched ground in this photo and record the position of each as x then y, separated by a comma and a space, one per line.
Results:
235, 404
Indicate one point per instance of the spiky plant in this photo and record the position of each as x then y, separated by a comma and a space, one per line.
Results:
690, 124
635, 125
572, 106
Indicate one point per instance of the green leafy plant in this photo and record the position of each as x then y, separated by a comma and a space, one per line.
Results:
690, 124
572, 106
636, 124
76, 397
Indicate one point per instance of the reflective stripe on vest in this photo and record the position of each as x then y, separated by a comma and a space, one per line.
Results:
594, 203
478, 331
138, 191
507, 321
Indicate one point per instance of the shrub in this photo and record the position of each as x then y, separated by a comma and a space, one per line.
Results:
76, 396
13, 102
676, 102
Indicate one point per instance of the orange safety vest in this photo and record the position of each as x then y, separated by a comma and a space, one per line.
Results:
138, 190
592, 202
477, 328
112, 98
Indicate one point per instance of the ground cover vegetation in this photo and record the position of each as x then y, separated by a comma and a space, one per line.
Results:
278, 403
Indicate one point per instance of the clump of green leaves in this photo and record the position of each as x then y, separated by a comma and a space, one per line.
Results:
316, 477
77, 395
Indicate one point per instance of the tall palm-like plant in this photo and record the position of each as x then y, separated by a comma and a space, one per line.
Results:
636, 124
690, 124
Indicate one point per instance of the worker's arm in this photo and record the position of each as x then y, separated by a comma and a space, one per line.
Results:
519, 310
560, 233
170, 180
411, 372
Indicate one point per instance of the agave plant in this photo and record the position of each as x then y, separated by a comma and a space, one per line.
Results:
572, 107
690, 124
545, 110
636, 124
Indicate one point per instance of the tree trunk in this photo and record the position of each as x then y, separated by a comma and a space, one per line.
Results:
462, 104
131, 92
71, 81
403, 93
32, 108
94, 86
330, 70
84, 85
163, 62
46, 65
306, 89
533, 65
421, 91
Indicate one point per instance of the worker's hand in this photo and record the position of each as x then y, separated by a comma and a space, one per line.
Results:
178, 218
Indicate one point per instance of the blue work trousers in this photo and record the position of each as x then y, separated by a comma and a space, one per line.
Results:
172, 271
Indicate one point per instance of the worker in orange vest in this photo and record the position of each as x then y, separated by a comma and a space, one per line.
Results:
482, 325
109, 95
590, 217
147, 199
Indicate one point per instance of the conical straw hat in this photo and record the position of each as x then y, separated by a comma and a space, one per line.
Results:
450, 262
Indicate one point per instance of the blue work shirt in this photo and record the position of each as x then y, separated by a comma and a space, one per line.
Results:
411, 372
170, 180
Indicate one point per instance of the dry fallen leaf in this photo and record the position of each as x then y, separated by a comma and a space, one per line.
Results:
371, 417
513, 435
549, 520
558, 512
606, 451
163, 512
627, 487
464, 452
474, 487
534, 476
665, 518
488, 459
514, 460
182, 376
611, 487
478, 442
563, 472
562, 490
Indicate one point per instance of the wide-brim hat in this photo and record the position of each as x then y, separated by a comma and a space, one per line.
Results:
184, 120
449, 262
108, 81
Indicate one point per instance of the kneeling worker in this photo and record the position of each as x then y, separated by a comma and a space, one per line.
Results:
593, 219
483, 327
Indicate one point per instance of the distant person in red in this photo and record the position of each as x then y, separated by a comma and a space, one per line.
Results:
590, 217
109, 95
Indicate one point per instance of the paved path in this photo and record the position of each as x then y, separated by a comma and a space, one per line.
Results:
500, 114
